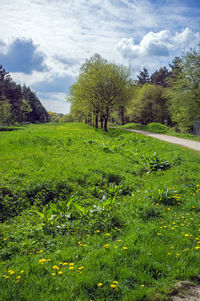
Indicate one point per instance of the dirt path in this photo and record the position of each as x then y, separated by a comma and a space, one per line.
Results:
195, 145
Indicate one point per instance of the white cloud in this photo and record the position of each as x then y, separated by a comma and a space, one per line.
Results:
69, 31
160, 46
54, 102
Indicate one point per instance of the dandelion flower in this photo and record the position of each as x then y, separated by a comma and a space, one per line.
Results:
18, 277
71, 268
53, 274
65, 263
113, 286
55, 267
60, 272
107, 234
100, 284
22, 271
71, 263
125, 248
115, 282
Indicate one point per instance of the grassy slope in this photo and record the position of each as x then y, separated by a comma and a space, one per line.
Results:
114, 219
159, 128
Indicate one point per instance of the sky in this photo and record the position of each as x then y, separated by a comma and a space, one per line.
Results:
44, 42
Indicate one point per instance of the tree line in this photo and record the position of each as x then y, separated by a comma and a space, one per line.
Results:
18, 104
105, 91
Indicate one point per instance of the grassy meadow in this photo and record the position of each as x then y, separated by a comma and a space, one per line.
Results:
89, 215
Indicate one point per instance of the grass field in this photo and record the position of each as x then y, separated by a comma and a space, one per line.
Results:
88, 215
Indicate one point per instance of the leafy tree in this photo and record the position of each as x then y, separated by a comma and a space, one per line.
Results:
184, 91
5, 112
149, 105
143, 77
25, 109
100, 87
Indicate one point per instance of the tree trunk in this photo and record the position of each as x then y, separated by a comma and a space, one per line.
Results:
122, 115
101, 120
96, 120
106, 123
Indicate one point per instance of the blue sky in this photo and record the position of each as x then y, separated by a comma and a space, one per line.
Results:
44, 42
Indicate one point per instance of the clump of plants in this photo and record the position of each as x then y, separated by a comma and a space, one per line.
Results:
155, 163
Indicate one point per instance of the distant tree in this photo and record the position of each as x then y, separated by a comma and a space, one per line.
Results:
100, 87
143, 77
25, 109
149, 105
184, 91
160, 77
67, 118
5, 112
53, 117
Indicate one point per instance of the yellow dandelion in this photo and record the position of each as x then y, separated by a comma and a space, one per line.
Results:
81, 267
98, 231
142, 285
125, 248
115, 282
53, 274
65, 263
60, 272
107, 234
71, 268
100, 284
42, 260
22, 271
113, 286
55, 267
71, 263
106, 246
18, 277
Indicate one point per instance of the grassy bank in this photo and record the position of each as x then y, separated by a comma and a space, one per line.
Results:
159, 128
88, 215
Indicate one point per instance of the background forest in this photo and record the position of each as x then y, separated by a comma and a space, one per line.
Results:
18, 104
106, 91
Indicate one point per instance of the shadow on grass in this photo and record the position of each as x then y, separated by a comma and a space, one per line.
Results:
9, 129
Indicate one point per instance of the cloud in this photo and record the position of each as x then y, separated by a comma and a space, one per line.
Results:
55, 102
54, 84
22, 56
68, 62
160, 44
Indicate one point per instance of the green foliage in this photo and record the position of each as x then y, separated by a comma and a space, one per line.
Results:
184, 91
100, 87
155, 163
148, 105
5, 112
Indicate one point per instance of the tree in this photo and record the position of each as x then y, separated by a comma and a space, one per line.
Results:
184, 91
5, 112
159, 77
101, 86
25, 109
149, 105
143, 77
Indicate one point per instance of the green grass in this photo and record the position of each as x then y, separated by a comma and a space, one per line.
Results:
159, 128
88, 215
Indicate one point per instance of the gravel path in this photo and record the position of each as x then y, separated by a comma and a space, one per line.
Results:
195, 145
